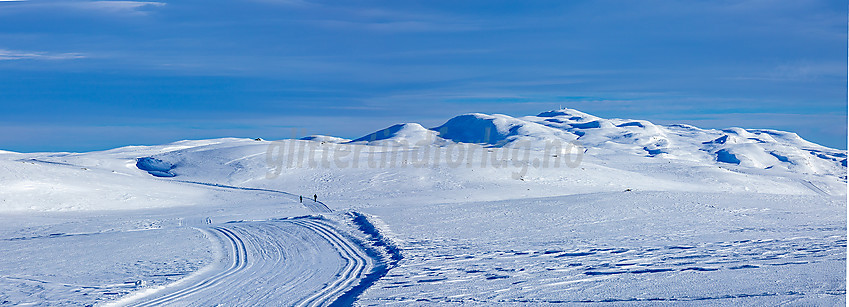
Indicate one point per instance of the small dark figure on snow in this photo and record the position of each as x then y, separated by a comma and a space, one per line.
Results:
315, 197
302, 199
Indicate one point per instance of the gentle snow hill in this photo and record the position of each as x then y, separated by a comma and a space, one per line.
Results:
100, 180
409, 134
38, 185
750, 148
392, 165
618, 154
499, 130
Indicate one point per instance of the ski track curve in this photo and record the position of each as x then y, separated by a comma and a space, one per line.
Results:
355, 266
298, 262
238, 253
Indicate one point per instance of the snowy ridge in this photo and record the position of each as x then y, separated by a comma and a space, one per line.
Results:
751, 148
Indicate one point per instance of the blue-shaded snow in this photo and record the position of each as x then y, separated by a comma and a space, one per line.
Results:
155, 167
727, 157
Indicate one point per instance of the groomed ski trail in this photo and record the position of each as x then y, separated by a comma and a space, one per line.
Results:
293, 262
238, 254
357, 263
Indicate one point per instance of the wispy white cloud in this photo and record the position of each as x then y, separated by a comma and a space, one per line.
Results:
6, 55
118, 6
99, 6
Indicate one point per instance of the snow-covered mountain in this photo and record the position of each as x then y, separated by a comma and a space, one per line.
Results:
752, 148
616, 154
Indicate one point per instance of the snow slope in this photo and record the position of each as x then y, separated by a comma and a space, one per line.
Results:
498, 130
410, 134
561, 207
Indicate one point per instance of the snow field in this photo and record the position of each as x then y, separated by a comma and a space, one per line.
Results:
464, 213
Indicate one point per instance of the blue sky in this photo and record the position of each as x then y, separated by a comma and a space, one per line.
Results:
78, 75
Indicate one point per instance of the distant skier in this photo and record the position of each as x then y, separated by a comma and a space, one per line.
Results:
302, 198
315, 197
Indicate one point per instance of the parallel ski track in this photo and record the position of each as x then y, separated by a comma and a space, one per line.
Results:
813, 187
356, 266
239, 254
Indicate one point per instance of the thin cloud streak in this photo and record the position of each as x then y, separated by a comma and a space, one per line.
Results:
139, 8
119, 6
8, 55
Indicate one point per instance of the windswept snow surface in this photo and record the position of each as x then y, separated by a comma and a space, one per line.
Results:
558, 208
618, 248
